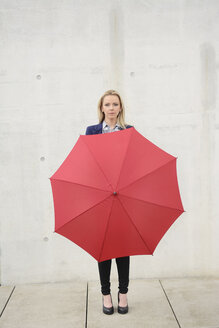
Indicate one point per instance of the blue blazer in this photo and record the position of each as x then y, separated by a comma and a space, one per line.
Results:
97, 128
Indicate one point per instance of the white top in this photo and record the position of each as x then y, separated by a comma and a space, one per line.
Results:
106, 128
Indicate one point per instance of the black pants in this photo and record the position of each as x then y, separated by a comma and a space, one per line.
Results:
123, 273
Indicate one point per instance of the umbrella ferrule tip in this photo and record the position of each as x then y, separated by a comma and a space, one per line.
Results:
114, 193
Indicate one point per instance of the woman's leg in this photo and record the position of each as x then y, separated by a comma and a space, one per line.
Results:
104, 272
123, 264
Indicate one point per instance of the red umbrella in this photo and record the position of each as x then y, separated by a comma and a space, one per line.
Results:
116, 194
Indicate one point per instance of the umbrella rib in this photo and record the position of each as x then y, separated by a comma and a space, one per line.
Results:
101, 250
80, 184
124, 160
98, 164
136, 228
84, 212
145, 201
148, 174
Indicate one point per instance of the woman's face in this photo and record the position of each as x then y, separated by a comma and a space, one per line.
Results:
111, 106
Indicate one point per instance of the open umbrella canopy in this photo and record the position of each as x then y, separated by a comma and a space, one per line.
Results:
116, 194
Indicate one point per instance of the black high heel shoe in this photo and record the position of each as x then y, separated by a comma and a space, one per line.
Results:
122, 309
108, 310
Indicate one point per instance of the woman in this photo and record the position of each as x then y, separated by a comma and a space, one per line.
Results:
112, 118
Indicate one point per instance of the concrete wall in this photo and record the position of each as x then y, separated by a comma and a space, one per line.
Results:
56, 60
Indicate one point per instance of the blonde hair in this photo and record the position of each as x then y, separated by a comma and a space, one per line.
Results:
121, 115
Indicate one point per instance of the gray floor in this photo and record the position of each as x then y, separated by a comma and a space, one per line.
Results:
153, 303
